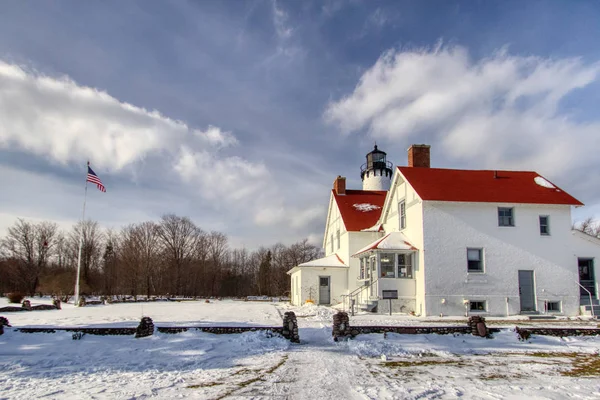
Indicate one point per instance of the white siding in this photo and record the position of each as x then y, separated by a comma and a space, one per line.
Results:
413, 231
309, 284
450, 228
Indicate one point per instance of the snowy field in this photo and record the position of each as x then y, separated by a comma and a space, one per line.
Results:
252, 365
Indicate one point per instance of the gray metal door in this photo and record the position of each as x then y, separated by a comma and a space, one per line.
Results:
527, 291
324, 290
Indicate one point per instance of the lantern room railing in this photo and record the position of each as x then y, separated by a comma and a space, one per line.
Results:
375, 165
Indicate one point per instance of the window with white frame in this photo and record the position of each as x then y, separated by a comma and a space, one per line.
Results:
373, 262
387, 265
544, 225
331, 242
367, 268
402, 214
505, 216
362, 268
405, 266
477, 305
474, 260
338, 239
553, 306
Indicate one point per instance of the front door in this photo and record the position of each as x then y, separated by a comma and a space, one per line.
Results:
324, 290
586, 276
526, 291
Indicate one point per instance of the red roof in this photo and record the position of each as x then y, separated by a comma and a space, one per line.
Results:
360, 209
481, 186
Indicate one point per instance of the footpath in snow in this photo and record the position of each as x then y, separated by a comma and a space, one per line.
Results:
254, 365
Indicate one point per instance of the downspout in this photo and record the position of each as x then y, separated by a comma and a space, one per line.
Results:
507, 309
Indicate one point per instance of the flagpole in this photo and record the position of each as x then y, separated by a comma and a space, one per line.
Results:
81, 241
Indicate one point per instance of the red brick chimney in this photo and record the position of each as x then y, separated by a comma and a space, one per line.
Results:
419, 155
339, 185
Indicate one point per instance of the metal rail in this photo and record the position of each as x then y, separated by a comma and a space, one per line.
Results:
589, 294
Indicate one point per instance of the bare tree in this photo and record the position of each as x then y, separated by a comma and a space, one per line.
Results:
148, 242
30, 245
91, 248
589, 226
179, 236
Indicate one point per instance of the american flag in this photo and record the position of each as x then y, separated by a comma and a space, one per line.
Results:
92, 177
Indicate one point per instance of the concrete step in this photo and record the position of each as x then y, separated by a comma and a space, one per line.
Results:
369, 306
585, 301
541, 317
587, 310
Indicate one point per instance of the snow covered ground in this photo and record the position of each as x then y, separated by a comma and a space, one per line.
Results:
252, 365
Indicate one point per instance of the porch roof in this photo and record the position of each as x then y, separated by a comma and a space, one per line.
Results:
332, 261
391, 241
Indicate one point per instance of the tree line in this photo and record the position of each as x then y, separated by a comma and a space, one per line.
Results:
172, 256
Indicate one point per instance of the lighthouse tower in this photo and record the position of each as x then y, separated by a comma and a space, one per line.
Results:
376, 173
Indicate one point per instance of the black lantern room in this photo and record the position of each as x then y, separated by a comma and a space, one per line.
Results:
376, 161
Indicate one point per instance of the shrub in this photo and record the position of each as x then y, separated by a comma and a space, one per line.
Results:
15, 297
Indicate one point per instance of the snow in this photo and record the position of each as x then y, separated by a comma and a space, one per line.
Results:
374, 228
543, 182
366, 207
391, 241
329, 261
253, 365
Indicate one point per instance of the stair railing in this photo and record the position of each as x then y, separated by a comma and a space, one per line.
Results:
589, 294
355, 293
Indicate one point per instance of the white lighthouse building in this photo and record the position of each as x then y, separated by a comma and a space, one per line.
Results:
376, 173
430, 241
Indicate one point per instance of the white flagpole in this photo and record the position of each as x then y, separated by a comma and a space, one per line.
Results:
81, 240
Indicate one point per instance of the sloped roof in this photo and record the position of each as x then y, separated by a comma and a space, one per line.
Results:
329, 261
391, 241
481, 186
360, 209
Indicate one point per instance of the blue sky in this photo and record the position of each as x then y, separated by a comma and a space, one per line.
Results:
241, 114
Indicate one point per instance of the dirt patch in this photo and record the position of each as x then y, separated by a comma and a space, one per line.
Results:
582, 364
258, 375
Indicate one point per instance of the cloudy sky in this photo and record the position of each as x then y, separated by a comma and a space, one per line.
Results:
241, 114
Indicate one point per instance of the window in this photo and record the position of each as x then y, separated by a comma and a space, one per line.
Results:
477, 305
338, 239
405, 268
553, 306
387, 265
362, 268
505, 216
402, 212
367, 269
474, 260
544, 225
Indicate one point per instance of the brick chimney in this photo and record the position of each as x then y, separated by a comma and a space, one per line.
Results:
418, 155
339, 185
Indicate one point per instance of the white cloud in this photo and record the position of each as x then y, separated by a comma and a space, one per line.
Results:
223, 178
61, 120
58, 119
499, 112
294, 217
280, 19
214, 136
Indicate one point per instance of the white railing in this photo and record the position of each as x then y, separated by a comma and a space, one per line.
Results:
356, 295
590, 295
